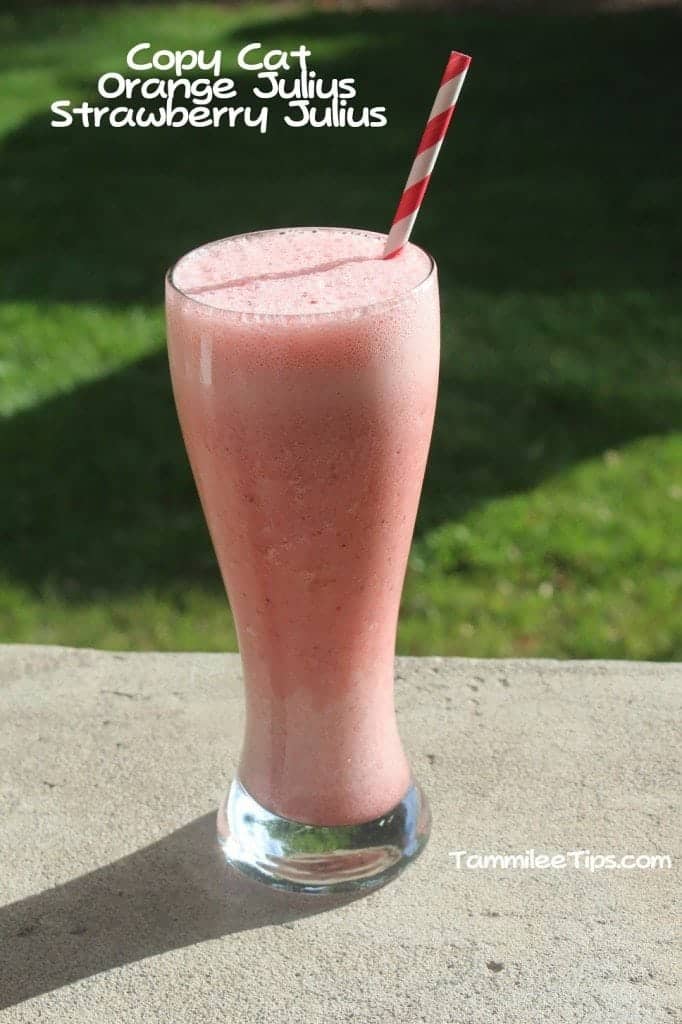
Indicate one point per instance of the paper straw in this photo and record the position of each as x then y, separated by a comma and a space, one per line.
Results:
427, 152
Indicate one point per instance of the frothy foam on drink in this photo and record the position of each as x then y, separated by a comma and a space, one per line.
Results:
309, 271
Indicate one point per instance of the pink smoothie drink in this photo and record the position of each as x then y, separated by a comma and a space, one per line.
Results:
305, 372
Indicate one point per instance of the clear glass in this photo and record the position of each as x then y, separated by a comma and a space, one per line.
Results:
308, 436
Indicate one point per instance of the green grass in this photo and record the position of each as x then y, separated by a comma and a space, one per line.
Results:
551, 520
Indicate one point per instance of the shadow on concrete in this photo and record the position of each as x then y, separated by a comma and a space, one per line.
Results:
174, 893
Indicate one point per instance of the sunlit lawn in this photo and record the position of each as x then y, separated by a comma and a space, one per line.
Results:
551, 522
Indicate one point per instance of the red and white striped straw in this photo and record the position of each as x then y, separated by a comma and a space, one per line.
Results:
427, 152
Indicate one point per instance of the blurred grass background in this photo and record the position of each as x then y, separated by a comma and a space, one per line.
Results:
551, 521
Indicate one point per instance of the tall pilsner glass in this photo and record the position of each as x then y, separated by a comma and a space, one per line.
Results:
305, 372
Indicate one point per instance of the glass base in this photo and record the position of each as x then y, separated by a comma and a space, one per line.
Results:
289, 855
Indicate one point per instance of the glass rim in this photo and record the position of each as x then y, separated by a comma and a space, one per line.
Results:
358, 310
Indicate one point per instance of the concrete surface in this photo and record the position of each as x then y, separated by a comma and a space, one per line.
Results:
116, 908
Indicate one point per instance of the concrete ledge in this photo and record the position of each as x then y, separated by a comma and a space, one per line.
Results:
115, 906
